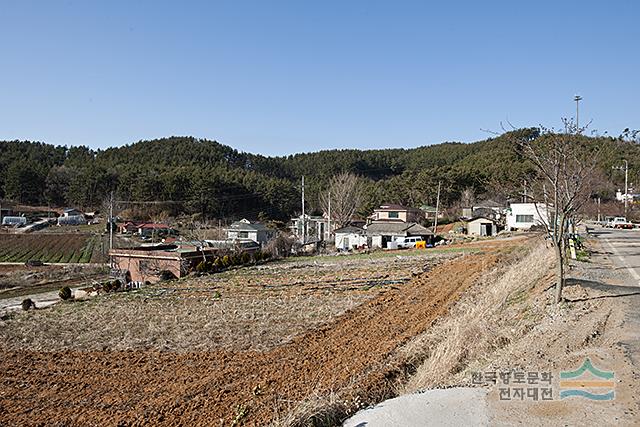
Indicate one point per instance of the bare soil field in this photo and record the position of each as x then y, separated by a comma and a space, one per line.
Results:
51, 248
252, 346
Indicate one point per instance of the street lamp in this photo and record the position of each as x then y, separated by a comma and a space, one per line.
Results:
626, 187
577, 98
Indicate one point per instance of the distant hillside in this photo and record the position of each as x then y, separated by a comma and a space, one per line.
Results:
204, 177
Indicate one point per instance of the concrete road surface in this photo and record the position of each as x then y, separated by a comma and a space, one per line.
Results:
449, 407
623, 250
42, 300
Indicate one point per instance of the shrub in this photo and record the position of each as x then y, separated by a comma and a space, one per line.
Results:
235, 259
245, 258
226, 261
27, 304
201, 267
116, 285
65, 293
280, 246
218, 263
106, 287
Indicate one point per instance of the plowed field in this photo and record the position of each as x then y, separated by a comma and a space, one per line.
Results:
50, 248
149, 387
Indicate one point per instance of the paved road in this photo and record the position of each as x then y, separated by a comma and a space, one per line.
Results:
622, 248
450, 407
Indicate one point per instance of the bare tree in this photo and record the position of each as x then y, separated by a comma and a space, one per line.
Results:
344, 195
565, 165
468, 197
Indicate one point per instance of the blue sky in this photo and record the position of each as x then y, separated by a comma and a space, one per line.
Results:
277, 77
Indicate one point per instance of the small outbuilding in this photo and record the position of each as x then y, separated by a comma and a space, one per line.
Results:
350, 237
482, 226
146, 263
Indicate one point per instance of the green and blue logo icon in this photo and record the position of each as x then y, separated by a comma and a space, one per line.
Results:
584, 381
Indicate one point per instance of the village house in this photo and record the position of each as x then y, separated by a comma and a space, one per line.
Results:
523, 216
317, 227
150, 229
146, 263
394, 212
430, 212
350, 237
384, 233
130, 227
247, 230
486, 208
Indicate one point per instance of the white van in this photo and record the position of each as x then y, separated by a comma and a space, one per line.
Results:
408, 242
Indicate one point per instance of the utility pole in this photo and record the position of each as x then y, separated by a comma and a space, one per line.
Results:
598, 209
111, 221
626, 186
435, 222
329, 219
304, 218
577, 98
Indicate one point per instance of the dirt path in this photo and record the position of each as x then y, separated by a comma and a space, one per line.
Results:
154, 388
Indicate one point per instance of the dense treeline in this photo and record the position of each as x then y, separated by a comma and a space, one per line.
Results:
204, 177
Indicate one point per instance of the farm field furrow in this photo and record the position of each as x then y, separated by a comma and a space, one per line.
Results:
48, 247
249, 343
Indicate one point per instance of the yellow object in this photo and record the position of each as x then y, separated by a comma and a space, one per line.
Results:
421, 244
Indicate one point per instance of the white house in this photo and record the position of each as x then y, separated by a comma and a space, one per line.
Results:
245, 229
384, 232
350, 237
523, 216
630, 196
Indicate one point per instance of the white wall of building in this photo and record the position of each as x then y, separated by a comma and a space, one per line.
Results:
350, 240
522, 216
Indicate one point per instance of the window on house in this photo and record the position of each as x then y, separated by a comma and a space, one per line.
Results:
393, 215
243, 235
524, 218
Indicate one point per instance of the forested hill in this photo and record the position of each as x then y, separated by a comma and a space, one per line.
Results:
216, 181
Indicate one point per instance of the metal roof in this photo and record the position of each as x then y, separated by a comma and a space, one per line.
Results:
388, 227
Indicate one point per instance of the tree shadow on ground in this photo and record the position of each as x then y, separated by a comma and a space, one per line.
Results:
612, 291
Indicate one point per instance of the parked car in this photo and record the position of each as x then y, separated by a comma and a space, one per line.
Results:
408, 242
605, 222
620, 222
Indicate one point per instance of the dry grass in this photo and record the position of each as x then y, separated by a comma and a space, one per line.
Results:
254, 308
173, 322
485, 319
317, 410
